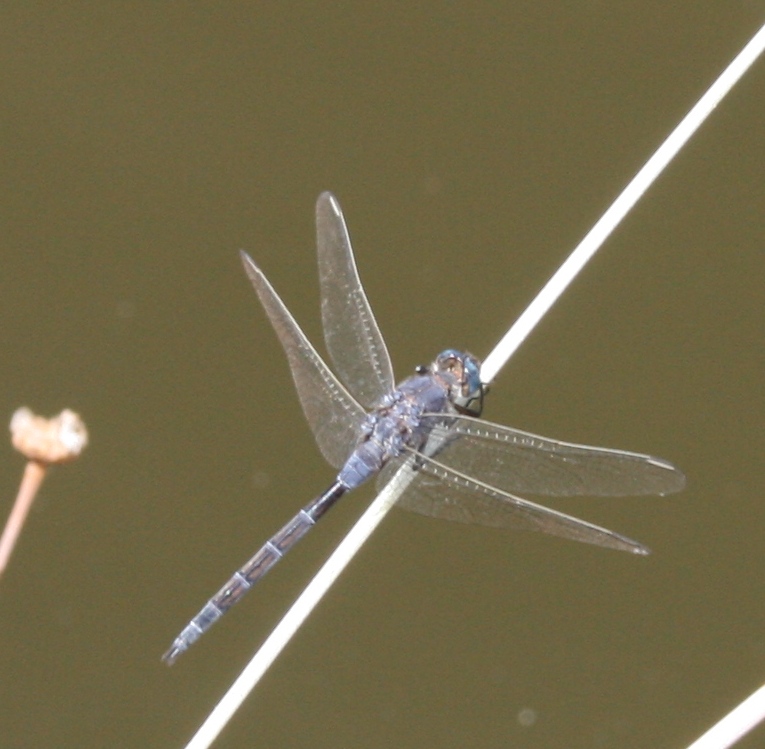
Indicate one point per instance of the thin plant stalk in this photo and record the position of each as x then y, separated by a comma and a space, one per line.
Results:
300, 610
44, 442
620, 207
34, 473
735, 725
374, 514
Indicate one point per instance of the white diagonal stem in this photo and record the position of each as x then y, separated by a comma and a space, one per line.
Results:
340, 558
595, 238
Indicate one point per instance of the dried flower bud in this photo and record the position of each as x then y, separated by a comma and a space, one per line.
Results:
55, 440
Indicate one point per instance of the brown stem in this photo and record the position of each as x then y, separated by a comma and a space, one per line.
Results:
34, 474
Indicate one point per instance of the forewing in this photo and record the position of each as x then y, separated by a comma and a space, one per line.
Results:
332, 413
353, 338
517, 461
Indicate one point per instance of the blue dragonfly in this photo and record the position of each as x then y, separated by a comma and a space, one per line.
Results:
466, 469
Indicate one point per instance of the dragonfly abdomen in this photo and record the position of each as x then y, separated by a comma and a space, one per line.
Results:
246, 576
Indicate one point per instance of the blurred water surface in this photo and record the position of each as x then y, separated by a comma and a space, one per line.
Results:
471, 147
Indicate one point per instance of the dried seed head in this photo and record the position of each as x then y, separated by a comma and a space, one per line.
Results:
55, 440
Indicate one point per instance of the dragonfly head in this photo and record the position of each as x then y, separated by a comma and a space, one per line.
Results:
465, 371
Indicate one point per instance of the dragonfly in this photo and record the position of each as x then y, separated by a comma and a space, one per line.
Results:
464, 468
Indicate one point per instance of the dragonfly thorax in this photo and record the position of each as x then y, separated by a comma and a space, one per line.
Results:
403, 419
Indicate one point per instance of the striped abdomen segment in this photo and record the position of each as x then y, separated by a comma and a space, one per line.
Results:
244, 578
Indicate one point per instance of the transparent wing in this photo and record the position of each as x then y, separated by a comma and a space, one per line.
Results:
516, 461
353, 338
332, 413
441, 492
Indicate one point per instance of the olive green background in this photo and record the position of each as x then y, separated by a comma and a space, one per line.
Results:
471, 146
